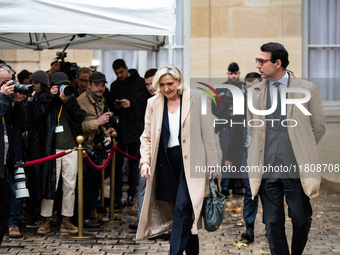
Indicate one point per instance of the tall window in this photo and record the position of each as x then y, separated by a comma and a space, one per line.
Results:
323, 46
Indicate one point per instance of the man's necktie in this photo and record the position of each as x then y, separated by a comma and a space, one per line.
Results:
277, 113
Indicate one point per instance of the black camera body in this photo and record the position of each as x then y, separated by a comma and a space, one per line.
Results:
21, 88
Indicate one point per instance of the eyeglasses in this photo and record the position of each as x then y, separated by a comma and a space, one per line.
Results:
261, 61
84, 81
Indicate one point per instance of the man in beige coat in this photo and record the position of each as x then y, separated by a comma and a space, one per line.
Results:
292, 149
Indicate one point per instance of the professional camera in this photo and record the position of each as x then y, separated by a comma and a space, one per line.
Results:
113, 122
20, 181
67, 90
22, 89
100, 138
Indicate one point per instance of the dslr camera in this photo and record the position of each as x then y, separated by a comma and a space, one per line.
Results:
66, 89
22, 89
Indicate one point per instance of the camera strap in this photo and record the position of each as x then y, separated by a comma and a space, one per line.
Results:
61, 108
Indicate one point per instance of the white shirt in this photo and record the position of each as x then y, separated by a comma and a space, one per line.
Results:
174, 128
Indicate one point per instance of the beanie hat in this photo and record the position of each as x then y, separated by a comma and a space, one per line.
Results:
59, 78
23, 75
40, 76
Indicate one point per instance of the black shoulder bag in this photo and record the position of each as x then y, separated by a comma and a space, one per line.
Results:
213, 207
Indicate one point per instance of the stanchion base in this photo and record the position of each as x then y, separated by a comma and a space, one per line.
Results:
85, 236
116, 221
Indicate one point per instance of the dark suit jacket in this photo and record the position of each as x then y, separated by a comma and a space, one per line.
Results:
167, 179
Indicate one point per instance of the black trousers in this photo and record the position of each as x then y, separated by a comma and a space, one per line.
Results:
181, 238
133, 177
5, 205
272, 192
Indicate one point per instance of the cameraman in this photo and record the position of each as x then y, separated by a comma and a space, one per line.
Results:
93, 102
13, 115
67, 119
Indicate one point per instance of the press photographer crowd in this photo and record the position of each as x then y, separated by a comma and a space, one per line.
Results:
43, 112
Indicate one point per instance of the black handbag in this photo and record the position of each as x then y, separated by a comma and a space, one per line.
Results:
213, 207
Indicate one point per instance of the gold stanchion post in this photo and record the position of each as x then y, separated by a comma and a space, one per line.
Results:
80, 235
112, 185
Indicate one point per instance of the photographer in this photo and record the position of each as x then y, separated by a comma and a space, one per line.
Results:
93, 102
12, 115
67, 117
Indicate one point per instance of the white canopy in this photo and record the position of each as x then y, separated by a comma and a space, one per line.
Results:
86, 24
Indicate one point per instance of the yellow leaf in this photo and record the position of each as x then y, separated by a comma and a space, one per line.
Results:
239, 245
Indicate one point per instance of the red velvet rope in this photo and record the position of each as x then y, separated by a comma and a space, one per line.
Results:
106, 163
43, 160
127, 155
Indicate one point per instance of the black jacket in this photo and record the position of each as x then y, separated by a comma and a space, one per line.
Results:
128, 89
14, 117
43, 113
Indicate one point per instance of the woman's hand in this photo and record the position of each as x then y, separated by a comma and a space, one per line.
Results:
213, 173
145, 171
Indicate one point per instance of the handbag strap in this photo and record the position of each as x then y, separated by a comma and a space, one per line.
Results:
213, 185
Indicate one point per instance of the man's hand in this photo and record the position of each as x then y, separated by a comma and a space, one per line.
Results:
18, 98
54, 90
145, 171
108, 132
7, 89
123, 103
228, 163
63, 97
102, 119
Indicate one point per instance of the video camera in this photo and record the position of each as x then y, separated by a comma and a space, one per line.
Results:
22, 89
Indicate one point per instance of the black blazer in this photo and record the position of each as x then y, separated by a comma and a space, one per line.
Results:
167, 184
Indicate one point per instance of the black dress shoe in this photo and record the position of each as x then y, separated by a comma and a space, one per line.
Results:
129, 201
237, 192
165, 236
118, 205
133, 226
248, 235
225, 191
91, 224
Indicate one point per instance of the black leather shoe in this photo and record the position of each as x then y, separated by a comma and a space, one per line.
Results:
129, 201
248, 235
133, 226
118, 205
165, 236
225, 191
91, 224
237, 192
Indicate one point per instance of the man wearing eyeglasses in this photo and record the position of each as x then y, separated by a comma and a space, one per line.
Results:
284, 148
13, 115
83, 81
226, 112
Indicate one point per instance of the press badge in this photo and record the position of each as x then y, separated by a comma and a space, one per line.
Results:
59, 129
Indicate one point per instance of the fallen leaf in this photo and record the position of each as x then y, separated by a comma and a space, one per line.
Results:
239, 245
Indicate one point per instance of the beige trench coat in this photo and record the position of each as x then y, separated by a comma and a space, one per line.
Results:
198, 147
304, 137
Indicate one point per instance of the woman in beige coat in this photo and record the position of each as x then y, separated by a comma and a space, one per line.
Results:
176, 144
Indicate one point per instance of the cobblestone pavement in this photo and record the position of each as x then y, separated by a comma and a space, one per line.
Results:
324, 237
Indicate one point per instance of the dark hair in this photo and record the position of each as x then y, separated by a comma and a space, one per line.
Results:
250, 77
118, 63
277, 51
149, 73
233, 67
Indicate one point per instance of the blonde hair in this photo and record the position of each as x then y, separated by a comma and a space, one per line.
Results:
174, 72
